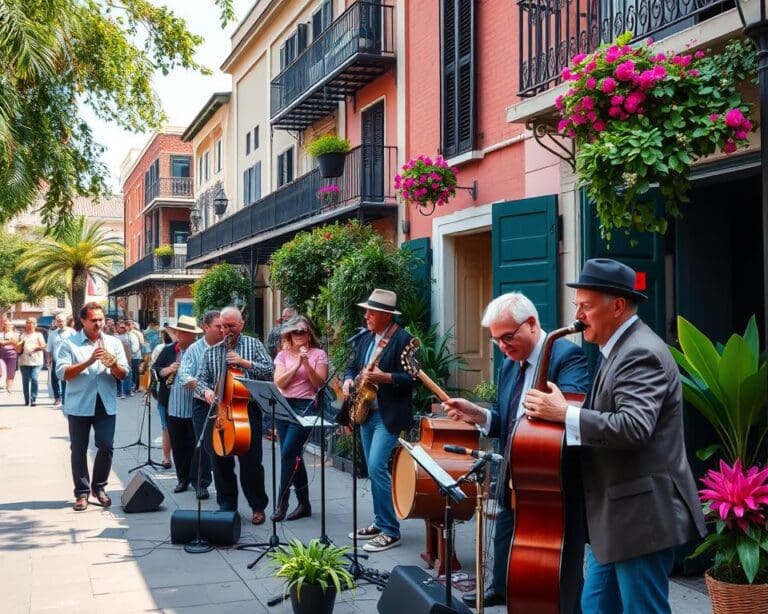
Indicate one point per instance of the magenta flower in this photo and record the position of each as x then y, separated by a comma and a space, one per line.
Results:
591, 66
587, 103
608, 86
734, 118
633, 101
578, 59
559, 102
617, 100
740, 135
699, 54
714, 117
625, 71
598, 125
591, 83
562, 125
737, 497
746, 125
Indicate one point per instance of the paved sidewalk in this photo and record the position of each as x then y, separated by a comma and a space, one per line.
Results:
103, 560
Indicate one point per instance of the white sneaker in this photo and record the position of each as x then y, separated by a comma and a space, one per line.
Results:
381, 542
365, 532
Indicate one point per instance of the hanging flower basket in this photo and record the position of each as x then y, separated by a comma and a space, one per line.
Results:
426, 183
642, 119
328, 195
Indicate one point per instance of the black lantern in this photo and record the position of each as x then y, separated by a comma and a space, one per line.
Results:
195, 217
220, 202
754, 16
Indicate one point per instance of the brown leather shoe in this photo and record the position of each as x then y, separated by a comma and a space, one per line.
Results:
258, 517
279, 513
303, 510
102, 498
81, 504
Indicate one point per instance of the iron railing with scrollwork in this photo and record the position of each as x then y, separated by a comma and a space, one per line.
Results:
552, 32
168, 187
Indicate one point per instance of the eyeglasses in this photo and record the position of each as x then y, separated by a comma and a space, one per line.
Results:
301, 331
506, 338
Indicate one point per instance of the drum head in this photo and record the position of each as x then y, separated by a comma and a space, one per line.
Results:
404, 472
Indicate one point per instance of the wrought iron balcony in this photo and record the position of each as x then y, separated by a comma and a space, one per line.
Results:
365, 186
552, 32
152, 269
354, 50
169, 187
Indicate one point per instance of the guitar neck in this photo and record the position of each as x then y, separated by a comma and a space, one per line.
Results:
433, 387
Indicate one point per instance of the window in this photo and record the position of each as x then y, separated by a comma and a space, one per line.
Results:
206, 166
217, 161
255, 138
199, 170
252, 184
151, 177
285, 167
179, 166
322, 18
247, 143
458, 77
60, 301
288, 51
179, 231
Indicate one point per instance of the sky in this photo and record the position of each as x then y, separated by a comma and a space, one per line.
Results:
182, 92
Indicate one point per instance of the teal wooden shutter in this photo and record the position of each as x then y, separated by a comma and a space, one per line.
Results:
422, 271
645, 257
525, 253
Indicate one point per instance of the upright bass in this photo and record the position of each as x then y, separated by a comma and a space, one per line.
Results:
231, 434
539, 571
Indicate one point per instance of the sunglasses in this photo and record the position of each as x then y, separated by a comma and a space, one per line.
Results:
301, 331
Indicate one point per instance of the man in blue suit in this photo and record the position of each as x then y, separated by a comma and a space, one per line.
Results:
513, 322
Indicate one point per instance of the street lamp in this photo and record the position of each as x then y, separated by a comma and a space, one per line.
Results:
220, 202
195, 217
754, 16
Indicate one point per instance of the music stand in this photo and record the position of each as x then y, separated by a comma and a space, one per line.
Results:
450, 489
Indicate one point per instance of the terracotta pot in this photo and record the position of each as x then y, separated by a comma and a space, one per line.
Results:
730, 598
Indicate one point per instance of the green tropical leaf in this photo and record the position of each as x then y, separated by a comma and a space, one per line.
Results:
749, 555
701, 355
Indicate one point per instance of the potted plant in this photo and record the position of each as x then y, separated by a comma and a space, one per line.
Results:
328, 195
736, 499
485, 393
164, 255
331, 152
426, 183
641, 118
313, 574
728, 385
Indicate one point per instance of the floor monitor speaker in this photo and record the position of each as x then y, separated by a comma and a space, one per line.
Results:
141, 494
411, 589
217, 528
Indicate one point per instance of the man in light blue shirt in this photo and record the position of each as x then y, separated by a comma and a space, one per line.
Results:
90, 362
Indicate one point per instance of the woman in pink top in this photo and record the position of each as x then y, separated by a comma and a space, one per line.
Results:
300, 369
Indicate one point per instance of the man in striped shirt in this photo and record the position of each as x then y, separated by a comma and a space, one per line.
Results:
190, 365
178, 400
249, 355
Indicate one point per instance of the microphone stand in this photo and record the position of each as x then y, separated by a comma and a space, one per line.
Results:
149, 462
138, 441
199, 545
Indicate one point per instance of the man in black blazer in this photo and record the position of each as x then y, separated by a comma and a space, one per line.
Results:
390, 412
640, 494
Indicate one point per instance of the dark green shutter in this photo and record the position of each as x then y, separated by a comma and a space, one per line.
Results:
646, 257
422, 270
525, 253
458, 76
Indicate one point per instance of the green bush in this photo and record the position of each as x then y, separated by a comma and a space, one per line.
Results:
216, 288
164, 250
316, 564
326, 144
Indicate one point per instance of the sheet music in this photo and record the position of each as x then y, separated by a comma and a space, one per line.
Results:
262, 392
443, 478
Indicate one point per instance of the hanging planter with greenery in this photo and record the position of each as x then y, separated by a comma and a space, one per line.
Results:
426, 183
164, 254
641, 119
331, 153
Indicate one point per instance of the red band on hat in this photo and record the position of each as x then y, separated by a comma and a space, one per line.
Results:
641, 282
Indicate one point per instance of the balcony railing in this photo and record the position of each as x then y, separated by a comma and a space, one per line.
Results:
355, 49
149, 265
552, 32
168, 187
368, 176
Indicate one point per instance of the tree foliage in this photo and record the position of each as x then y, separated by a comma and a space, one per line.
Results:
58, 55
217, 288
13, 287
75, 252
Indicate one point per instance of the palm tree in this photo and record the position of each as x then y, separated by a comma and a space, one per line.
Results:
77, 251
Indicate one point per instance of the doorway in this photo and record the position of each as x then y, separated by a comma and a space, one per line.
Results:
474, 285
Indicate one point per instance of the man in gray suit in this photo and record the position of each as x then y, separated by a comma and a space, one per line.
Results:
640, 494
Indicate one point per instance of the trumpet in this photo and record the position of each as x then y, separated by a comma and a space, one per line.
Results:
107, 359
170, 378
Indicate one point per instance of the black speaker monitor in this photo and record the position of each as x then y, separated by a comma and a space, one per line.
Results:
411, 589
217, 528
141, 494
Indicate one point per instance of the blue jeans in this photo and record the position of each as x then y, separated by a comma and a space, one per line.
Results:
378, 444
135, 362
59, 386
636, 586
29, 383
124, 386
293, 437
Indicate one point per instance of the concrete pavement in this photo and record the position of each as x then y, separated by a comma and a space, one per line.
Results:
103, 560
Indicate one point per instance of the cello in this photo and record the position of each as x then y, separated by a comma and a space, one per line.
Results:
231, 433
538, 567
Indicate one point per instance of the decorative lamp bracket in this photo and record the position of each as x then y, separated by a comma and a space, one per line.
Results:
472, 189
544, 130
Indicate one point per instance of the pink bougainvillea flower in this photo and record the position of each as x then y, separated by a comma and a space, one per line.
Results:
617, 100
746, 125
562, 125
559, 102
633, 101
590, 67
591, 83
578, 59
588, 103
699, 54
615, 112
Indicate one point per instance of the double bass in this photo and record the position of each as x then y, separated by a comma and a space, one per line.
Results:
538, 567
231, 434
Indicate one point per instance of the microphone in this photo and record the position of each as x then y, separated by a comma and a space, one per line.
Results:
479, 454
360, 332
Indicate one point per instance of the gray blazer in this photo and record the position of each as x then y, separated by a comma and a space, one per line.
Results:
640, 493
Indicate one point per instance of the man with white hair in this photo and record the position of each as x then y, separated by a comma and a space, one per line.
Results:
513, 321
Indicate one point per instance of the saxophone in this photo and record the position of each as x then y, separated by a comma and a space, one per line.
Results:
364, 395
107, 359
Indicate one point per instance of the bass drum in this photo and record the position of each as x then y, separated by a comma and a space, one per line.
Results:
414, 493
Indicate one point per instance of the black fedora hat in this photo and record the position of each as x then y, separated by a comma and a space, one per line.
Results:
610, 276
